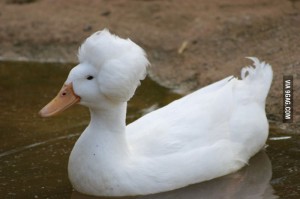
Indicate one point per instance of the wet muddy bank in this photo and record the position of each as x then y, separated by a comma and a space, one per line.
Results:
189, 44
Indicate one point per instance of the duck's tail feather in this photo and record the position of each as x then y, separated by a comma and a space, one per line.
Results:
259, 78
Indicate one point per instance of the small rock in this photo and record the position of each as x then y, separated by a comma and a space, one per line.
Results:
105, 13
87, 28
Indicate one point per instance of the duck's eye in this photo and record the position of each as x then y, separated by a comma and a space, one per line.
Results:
90, 77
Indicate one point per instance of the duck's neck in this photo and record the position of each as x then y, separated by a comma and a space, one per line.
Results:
111, 118
107, 128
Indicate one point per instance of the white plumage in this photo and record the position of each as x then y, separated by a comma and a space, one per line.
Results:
209, 133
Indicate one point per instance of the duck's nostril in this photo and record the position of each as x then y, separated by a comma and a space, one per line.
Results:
64, 93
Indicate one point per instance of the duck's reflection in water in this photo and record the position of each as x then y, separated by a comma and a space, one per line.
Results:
251, 182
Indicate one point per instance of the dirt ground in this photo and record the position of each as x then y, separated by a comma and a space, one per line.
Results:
190, 43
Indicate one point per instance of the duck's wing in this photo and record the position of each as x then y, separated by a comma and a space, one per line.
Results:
229, 109
196, 120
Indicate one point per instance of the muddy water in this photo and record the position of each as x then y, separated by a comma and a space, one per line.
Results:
34, 151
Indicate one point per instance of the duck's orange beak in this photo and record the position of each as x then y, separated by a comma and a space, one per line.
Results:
64, 99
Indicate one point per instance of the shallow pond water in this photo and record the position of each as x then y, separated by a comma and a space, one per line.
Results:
34, 151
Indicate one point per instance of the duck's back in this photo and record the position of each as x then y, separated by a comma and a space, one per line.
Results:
229, 109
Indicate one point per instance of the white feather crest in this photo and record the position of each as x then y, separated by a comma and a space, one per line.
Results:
121, 63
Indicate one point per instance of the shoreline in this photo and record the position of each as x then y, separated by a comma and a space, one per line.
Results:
189, 45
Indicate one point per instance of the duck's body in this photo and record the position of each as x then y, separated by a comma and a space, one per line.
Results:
209, 133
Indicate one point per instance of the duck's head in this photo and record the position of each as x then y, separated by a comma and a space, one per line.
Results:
110, 69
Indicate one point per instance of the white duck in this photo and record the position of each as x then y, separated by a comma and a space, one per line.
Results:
209, 133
